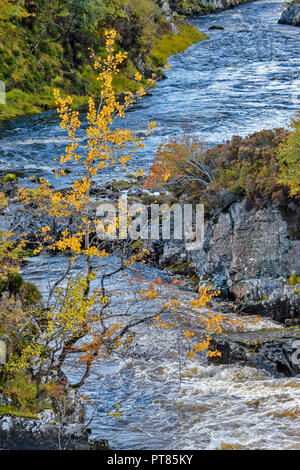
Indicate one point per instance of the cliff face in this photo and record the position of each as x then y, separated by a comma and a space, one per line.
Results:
248, 253
291, 15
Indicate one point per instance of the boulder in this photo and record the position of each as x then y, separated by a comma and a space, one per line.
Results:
291, 15
18, 433
100, 444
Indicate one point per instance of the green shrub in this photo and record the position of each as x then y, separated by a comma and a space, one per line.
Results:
9, 177
14, 282
22, 391
288, 156
30, 294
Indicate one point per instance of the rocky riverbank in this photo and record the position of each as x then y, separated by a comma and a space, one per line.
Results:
59, 427
273, 350
18, 433
291, 14
250, 254
247, 253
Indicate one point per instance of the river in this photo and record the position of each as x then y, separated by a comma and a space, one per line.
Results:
243, 79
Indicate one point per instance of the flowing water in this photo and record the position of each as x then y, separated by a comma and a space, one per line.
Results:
169, 402
243, 79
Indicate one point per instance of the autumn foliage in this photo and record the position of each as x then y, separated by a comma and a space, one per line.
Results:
180, 161
77, 317
263, 167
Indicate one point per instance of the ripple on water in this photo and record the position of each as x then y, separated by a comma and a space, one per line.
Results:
235, 83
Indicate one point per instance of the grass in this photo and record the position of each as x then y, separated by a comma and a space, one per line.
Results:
20, 103
172, 43
14, 411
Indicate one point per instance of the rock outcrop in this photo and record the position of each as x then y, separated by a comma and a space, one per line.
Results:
282, 308
247, 253
30, 434
291, 14
61, 428
276, 351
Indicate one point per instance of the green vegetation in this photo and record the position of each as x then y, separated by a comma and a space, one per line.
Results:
190, 7
248, 166
22, 398
241, 167
293, 280
14, 282
9, 177
289, 159
30, 294
171, 43
48, 44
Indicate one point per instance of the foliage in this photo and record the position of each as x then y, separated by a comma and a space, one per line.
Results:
293, 280
249, 166
21, 392
30, 294
9, 177
241, 167
288, 156
77, 307
10, 254
11, 12
44, 47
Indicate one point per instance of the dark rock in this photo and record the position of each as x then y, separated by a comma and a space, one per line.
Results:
215, 27
272, 350
100, 444
30, 434
9, 188
247, 252
291, 15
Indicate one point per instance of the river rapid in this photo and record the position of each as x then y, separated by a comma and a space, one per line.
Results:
243, 79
